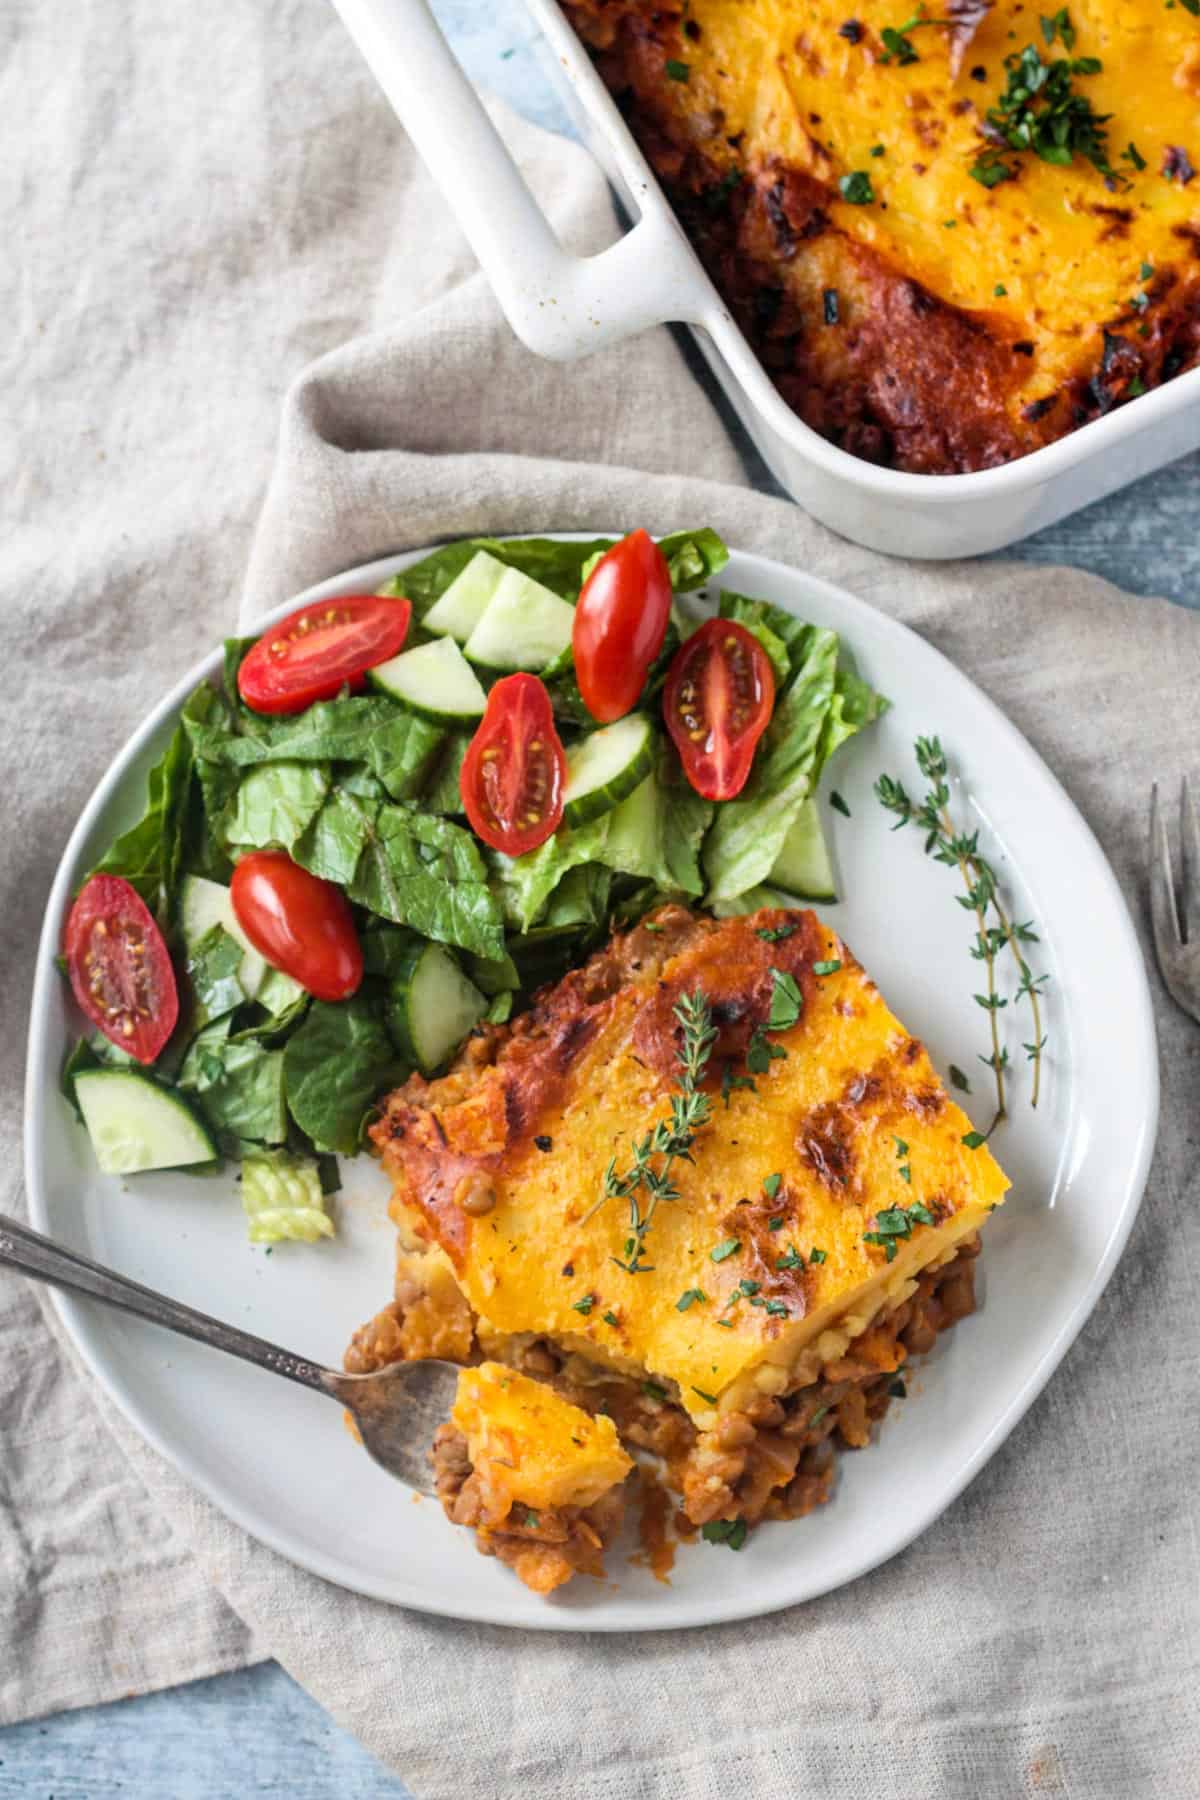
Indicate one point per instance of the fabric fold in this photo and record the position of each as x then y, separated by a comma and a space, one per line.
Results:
1042, 1636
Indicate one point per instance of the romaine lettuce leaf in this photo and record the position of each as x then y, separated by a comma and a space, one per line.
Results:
396, 746
656, 833
149, 854
748, 832
238, 1085
275, 804
338, 1062
212, 967
527, 882
283, 1198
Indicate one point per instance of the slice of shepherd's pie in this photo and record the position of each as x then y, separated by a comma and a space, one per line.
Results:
821, 1228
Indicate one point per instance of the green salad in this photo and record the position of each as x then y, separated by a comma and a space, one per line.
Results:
365, 791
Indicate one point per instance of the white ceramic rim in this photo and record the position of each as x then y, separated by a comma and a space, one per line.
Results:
1138, 1031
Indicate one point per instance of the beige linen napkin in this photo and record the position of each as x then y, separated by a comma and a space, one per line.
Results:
1042, 1637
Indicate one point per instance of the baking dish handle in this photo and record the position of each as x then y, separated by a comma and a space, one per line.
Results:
560, 306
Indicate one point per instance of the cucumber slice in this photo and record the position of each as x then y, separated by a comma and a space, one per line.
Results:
435, 680
458, 611
432, 1006
606, 766
802, 867
203, 904
136, 1124
524, 627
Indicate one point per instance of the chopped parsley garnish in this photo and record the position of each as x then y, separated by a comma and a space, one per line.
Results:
653, 1391
838, 804
989, 171
729, 1248
827, 968
897, 44
1131, 153
1000, 291
974, 1140
730, 1532
610, 1318
775, 934
901, 1146
774, 1309
775, 1224
689, 1297
816, 1418
678, 71
787, 1002
1137, 386
759, 1054
856, 188
771, 1185
958, 1079
1059, 25
731, 1081
531, 1521
896, 1222
793, 1260
878, 149
1040, 110
585, 1305
711, 1398
1147, 269
816, 1256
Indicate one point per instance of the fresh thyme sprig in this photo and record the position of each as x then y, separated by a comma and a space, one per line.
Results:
960, 850
667, 1142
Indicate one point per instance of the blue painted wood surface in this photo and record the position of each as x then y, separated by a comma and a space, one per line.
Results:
257, 1733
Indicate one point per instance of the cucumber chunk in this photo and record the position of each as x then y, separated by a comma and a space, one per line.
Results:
802, 867
432, 1006
136, 1124
458, 611
606, 766
203, 904
435, 680
524, 627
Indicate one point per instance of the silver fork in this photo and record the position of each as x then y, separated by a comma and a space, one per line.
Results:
1176, 911
397, 1409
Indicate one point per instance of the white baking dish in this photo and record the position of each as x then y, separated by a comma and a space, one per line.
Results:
563, 306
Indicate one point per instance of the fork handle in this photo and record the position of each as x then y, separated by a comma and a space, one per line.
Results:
42, 1259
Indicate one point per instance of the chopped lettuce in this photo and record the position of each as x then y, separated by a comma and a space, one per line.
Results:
527, 882
819, 708
149, 854
283, 1198
335, 1066
213, 966
237, 1084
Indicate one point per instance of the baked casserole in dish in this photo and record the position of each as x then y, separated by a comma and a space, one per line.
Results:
820, 1230
952, 234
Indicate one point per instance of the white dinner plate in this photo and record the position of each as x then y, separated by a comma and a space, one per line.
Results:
277, 1459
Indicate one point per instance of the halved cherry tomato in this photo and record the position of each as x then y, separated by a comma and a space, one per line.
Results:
620, 622
319, 650
301, 924
514, 772
119, 966
717, 704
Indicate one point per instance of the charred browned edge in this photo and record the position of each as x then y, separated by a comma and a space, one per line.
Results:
908, 380
441, 1139
825, 1137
